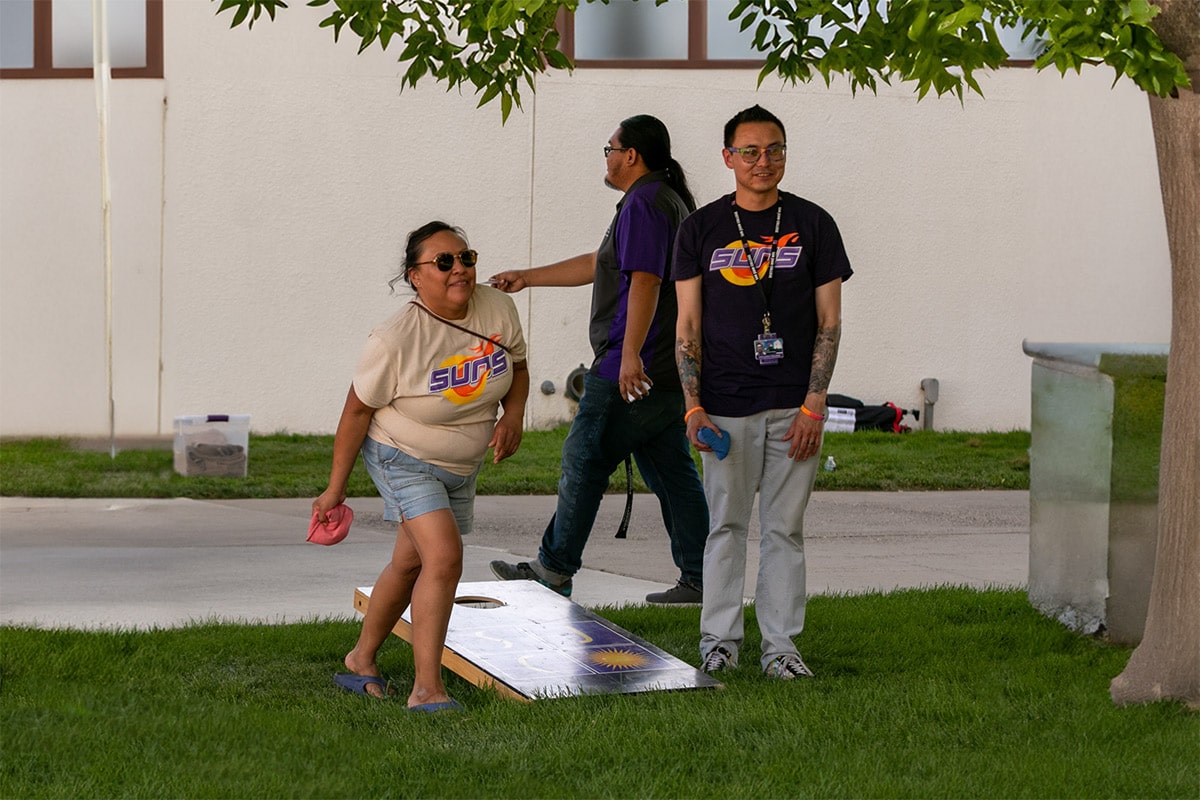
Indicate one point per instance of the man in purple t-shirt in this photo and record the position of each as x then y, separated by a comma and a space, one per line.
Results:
632, 403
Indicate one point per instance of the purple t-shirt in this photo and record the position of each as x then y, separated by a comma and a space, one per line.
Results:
810, 254
640, 239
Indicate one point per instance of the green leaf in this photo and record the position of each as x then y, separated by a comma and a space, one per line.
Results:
1141, 11
761, 32
557, 59
968, 14
917, 29
414, 72
488, 95
970, 80
240, 15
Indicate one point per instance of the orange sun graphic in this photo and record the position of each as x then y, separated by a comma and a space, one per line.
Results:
460, 395
619, 659
740, 276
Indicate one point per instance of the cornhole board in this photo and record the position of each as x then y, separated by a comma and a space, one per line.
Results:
530, 643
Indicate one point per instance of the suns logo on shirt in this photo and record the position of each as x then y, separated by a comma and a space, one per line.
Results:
730, 260
461, 379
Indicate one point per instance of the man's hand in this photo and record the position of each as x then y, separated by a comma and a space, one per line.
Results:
634, 382
695, 421
510, 281
804, 434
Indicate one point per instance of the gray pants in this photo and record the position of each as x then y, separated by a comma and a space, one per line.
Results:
757, 461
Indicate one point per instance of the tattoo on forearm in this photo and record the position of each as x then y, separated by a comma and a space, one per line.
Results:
824, 357
687, 359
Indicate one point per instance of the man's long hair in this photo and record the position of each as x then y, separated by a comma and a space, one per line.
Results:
649, 137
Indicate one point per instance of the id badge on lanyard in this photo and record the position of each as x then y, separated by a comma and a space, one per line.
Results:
768, 348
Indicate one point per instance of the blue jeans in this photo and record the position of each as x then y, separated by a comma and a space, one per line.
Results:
605, 430
411, 487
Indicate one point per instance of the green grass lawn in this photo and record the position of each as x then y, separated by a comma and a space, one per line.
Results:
286, 465
946, 693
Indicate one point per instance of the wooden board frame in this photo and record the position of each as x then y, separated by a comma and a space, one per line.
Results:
529, 643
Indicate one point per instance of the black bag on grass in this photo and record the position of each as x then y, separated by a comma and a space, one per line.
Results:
848, 414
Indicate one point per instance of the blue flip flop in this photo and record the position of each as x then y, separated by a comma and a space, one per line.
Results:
358, 683
433, 708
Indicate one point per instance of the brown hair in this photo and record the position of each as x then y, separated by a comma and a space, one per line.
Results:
412, 248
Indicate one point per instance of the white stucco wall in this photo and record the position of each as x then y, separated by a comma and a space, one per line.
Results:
53, 352
295, 171
269, 204
1032, 213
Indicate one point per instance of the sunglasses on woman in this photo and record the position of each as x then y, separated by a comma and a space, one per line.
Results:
445, 261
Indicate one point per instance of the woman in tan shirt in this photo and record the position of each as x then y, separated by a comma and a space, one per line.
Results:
423, 411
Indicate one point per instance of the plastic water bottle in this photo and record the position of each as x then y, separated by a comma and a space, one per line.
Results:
830, 464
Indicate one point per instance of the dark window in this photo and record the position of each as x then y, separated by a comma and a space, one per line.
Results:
677, 34
691, 34
53, 38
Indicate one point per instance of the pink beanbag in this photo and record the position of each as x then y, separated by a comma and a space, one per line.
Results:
332, 532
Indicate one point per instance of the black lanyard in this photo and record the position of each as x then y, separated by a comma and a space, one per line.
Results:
766, 320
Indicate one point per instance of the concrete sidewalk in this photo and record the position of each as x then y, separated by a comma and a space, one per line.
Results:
160, 563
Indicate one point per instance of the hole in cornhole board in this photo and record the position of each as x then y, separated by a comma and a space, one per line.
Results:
530, 643
478, 602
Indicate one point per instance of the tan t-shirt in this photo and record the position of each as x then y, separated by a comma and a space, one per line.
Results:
437, 389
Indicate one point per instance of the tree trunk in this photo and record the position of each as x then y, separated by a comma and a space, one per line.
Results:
1166, 665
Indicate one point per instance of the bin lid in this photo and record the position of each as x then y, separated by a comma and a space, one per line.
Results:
199, 419
1088, 354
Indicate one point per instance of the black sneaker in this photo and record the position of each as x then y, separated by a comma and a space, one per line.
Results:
787, 667
719, 659
523, 572
679, 594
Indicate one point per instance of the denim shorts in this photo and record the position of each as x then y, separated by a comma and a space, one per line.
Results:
411, 487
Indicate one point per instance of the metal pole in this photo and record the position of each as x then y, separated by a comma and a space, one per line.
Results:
102, 77
930, 387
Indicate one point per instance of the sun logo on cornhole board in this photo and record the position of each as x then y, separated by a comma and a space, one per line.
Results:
619, 659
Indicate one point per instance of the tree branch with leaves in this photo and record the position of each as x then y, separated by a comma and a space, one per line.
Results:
493, 46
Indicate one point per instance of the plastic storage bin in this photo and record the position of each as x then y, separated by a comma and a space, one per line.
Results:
215, 445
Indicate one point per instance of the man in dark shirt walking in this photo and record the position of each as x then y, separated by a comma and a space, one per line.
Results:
632, 402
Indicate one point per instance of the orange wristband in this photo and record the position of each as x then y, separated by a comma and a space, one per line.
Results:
807, 413
691, 411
